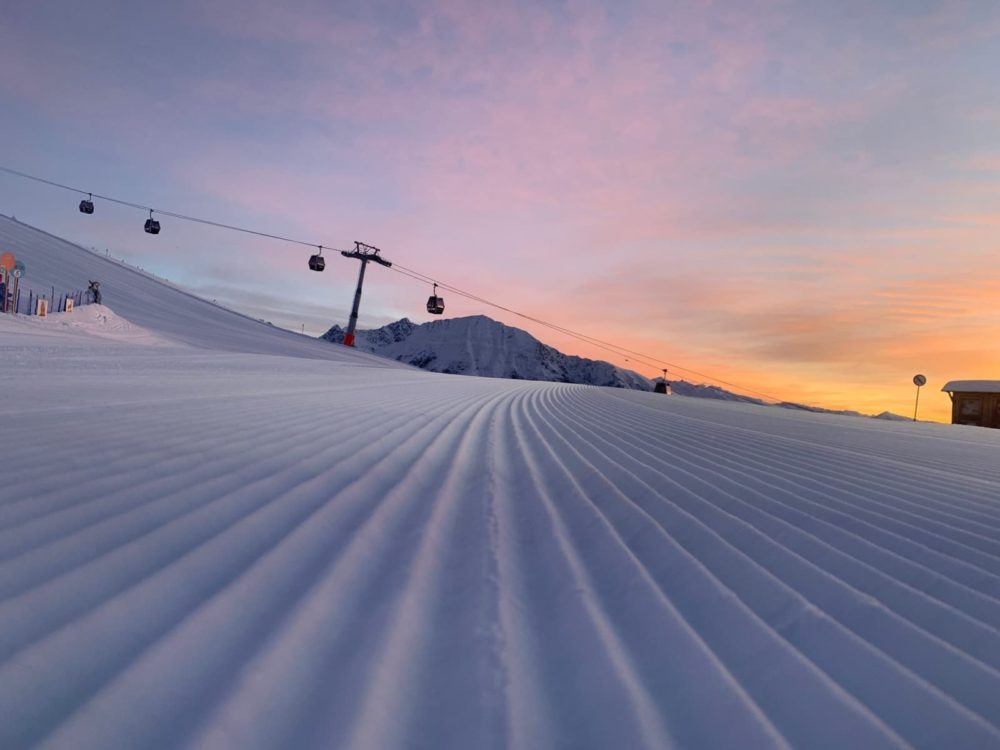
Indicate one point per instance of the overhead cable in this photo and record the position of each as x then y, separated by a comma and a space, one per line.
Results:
646, 359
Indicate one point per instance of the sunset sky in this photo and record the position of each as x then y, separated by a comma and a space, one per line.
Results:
799, 197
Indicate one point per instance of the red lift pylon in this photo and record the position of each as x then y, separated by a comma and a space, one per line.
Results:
364, 253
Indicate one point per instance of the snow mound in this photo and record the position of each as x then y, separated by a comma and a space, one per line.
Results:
96, 321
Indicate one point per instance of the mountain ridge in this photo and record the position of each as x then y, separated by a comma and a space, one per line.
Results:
479, 345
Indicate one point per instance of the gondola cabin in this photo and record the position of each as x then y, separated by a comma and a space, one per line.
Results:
435, 304
152, 226
86, 207
317, 263
662, 385
974, 402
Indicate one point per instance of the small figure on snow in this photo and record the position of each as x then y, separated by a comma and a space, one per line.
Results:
94, 290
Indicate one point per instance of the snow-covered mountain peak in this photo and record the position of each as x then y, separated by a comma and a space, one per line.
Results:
479, 345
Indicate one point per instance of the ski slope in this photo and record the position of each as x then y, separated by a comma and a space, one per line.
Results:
215, 541
146, 301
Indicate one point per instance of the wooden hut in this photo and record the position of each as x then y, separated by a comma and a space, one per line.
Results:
975, 402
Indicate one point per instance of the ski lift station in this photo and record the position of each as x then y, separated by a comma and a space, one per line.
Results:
974, 402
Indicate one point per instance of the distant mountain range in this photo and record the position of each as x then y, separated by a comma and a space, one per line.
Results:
478, 345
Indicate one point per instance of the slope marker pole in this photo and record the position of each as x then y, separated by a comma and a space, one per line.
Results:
918, 380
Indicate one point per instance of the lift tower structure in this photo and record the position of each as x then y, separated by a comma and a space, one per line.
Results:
364, 253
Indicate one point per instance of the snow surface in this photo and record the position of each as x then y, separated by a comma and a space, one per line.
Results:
213, 548
88, 320
146, 301
972, 386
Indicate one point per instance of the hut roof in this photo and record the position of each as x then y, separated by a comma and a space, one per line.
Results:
972, 386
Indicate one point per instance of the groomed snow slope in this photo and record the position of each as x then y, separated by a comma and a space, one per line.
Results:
218, 549
148, 302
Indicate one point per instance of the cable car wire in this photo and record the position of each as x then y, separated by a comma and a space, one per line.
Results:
160, 211
646, 359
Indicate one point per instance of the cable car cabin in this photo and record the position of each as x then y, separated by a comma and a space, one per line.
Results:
435, 305
974, 402
86, 207
152, 226
317, 263
662, 385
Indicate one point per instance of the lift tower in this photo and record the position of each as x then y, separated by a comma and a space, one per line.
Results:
364, 253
